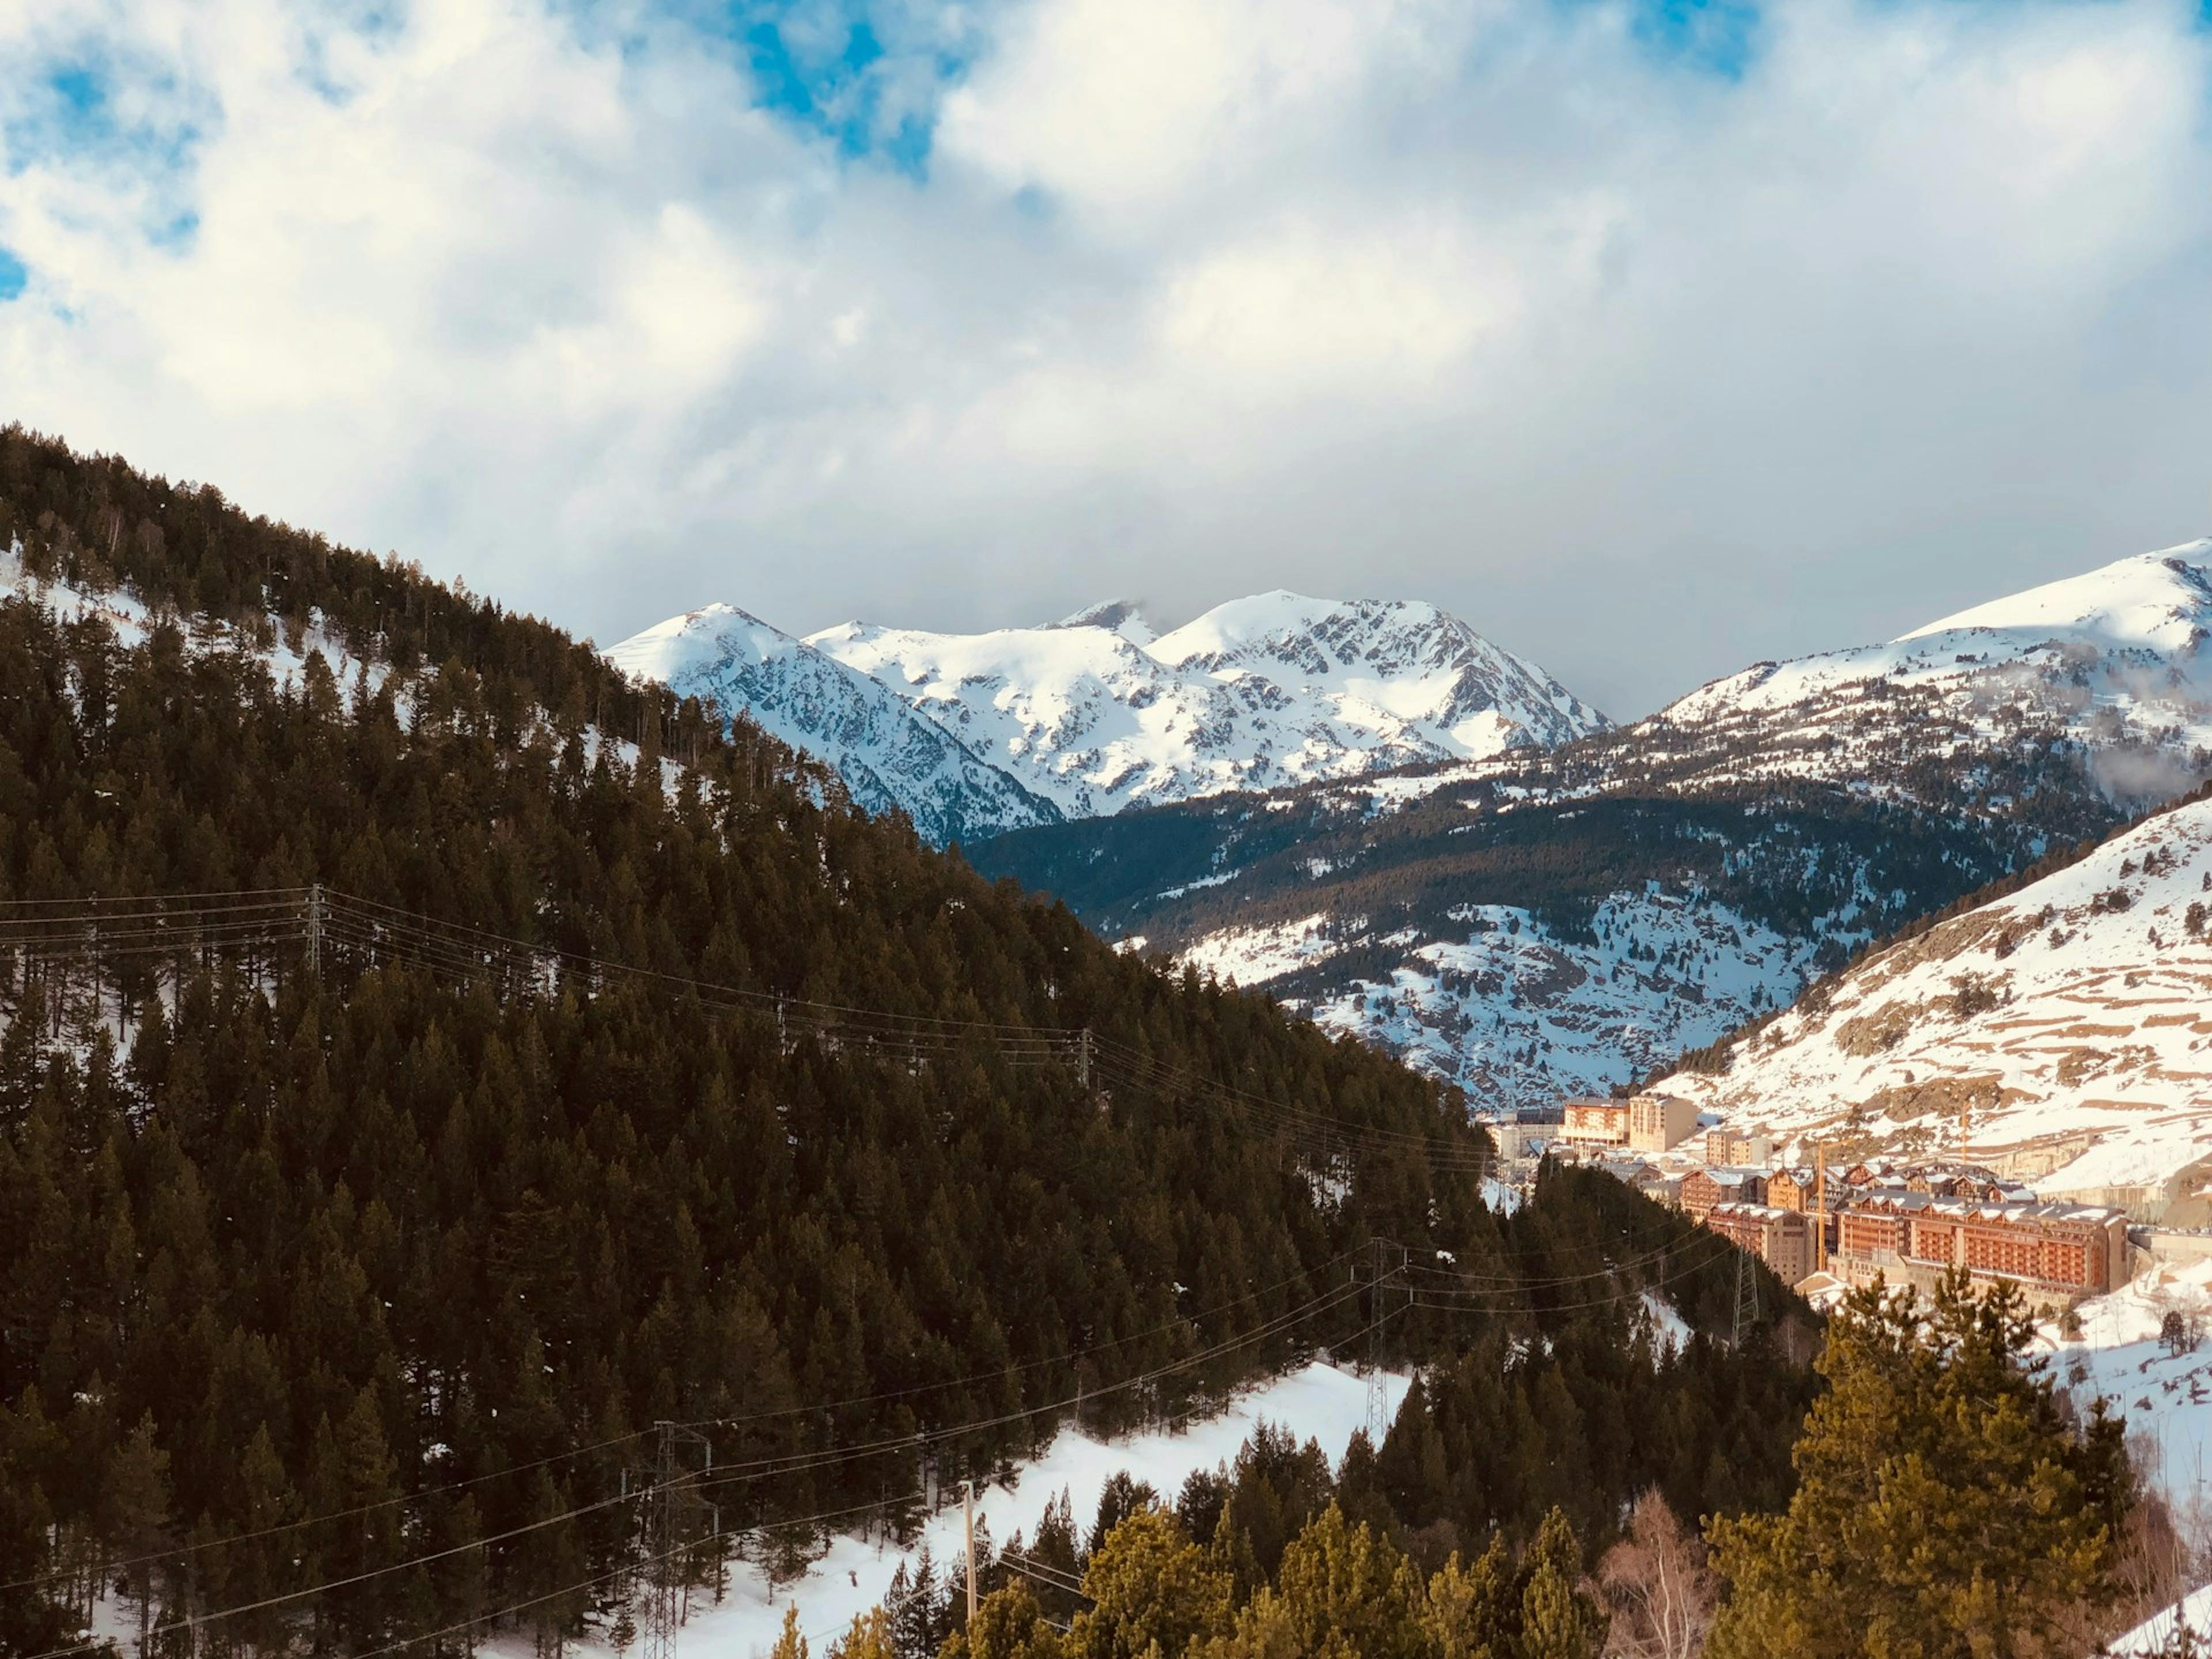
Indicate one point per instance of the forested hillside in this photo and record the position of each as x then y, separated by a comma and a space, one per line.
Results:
344, 1268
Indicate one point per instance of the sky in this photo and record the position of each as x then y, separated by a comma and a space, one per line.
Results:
1653, 338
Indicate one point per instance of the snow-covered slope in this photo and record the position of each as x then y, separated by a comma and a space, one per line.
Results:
1483, 1004
1317, 1403
2071, 1020
2116, 661
1278, 689
1563, 917
888, 755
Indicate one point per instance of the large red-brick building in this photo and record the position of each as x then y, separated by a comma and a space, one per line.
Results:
2058, 1254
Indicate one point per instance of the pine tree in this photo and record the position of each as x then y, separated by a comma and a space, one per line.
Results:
789, 1643
1342, 1590
1149, 1586
869, 1637
1945, 1504
1559, 1619
135, 1518
1474, 1613
913, 1609
1008, 1625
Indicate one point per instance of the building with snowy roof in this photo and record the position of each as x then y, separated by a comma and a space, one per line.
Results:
2058, 1254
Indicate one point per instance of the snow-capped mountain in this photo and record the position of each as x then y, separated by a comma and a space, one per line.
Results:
888, 755
1570, 916
2113, 666
2116, 661
1097, 715
2071, 1020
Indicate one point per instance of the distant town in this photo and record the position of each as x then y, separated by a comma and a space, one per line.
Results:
1823, 1227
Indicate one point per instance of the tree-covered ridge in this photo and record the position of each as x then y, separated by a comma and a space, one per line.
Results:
97, 523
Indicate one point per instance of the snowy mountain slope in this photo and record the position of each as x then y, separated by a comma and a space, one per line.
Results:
1654, 974
887, 754
1805, 807
2116, 661
2071, 1020
1278, 689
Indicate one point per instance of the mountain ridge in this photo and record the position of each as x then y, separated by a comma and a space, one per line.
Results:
889, 756
2060, 1019
1098, 712
1572, 917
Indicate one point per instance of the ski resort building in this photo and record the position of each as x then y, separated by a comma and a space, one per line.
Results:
1793, 1189
1704, 1189
1595, 1123
2058, 1254
1660, 1124
1783, 1239
1737, 1148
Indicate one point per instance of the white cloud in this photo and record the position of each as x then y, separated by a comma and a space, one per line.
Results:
1646, 370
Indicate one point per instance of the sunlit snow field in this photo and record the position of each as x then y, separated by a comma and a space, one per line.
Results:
1320, 1402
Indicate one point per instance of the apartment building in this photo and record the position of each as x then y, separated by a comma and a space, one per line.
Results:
1660, 1124
2058, 1254
1738, 1148
1704, 1189
1783, 1239
1595, 1123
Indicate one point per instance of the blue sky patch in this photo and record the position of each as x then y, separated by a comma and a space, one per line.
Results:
832, 81
1714, 35
13, 276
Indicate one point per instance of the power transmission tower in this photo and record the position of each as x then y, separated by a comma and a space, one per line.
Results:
1379, 1308
670, 1503
1747, 1297
315, 930
1083, 1059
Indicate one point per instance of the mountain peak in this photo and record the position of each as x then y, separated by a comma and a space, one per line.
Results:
2162, 600
890, 754
1123, 617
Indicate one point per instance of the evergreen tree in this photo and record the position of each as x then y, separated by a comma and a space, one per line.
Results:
1150, 1589
1342, 1593
789, 1643
914, 1614
1474, 1613
135, 1501
1945, 1506
1009, 1624
869, 1637
1559, 1619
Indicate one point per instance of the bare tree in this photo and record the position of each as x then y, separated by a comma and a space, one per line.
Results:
1657, 1586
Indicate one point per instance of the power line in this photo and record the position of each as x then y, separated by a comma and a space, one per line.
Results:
428, 941
184, 1551
757, 1469
329, 1585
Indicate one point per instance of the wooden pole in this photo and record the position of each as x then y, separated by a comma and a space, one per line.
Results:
967, 1506
1820, 1198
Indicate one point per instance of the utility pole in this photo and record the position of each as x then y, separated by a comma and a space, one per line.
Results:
968, 1517
1820, 1216
315, 930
